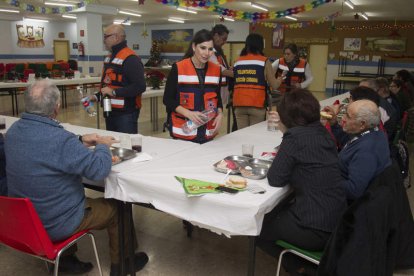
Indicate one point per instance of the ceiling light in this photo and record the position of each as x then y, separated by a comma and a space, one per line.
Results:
122, 22
130, 13
176, 20
349, 4
291, 18
186, 10
7, 10
260, 7
34, 19
69, 16
228, 19
61, 4
364, 15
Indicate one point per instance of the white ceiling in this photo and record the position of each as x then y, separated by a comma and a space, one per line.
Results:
157, 13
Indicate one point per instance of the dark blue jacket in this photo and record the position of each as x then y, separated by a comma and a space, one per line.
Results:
3, 181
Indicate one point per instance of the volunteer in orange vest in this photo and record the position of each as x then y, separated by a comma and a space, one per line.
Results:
193, 85
295, 71
252, 73
220, 34
123, 80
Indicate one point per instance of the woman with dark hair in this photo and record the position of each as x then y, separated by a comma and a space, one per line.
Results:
402, 95
295, 71
308, 161
252, 73
193, 86
408, 82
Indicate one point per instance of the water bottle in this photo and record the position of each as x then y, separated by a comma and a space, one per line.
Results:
190, 126
88, 106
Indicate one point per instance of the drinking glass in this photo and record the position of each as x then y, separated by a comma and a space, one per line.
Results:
136, 142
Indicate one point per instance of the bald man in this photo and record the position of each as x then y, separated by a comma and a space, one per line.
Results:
122, 80
367, 153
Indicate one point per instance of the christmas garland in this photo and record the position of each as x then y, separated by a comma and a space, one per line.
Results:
249, 16
46, 10
303, 24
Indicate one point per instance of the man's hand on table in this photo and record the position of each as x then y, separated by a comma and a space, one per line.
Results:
94, 139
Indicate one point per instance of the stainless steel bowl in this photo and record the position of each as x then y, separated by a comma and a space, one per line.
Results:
124, 154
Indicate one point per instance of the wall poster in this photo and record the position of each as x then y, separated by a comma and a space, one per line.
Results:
278, 37
386, 44
173, 41
30, 36
352, 44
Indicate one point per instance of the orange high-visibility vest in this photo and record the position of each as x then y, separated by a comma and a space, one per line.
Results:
249, 81
297, 75
112, 76
194, 97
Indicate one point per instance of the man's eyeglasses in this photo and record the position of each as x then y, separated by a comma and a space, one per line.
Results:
107, 35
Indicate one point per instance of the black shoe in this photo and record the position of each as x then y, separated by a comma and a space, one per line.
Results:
71, 264
140, 260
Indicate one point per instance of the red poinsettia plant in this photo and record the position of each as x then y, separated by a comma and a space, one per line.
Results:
154, 78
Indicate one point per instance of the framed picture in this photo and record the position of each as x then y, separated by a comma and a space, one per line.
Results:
352, 44
386, 44
172, 41
74, 45
135, 46
278, 37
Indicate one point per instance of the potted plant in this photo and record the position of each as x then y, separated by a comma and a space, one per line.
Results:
154, 79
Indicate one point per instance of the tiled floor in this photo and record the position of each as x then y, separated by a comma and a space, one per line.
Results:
160, 235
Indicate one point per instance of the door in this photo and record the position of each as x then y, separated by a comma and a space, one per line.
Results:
318, 60
232, 51
61, 50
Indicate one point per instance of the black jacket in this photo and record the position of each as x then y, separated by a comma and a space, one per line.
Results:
376, 233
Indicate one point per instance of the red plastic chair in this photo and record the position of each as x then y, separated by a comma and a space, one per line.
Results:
21, 229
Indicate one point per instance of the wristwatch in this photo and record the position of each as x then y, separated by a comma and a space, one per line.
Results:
113, 93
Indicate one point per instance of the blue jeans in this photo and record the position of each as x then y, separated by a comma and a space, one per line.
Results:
126, 123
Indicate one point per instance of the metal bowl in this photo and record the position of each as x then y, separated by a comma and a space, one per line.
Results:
124, 154
256, 172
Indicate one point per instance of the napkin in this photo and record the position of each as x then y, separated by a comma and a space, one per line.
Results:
141, 157
194, 187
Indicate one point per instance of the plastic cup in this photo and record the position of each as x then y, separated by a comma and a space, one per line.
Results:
2, 123
125, 142
247, 150
272, 121
136, 142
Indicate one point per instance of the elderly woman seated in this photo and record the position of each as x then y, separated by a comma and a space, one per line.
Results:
308, 161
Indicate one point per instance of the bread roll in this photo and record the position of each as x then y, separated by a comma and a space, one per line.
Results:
236, 182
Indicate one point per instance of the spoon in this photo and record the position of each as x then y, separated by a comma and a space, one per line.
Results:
227, 174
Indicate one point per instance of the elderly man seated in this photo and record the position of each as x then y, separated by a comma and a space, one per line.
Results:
366, 154
46, 163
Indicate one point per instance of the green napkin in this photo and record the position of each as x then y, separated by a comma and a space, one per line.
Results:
194, 187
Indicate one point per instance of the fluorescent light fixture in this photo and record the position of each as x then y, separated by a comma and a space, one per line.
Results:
176, 20
260, 7
228, 19
121, 22
130, 13
291, 18
34, 19
69, 16
349, 4
60, 4
186, 10
7, 10
364, 15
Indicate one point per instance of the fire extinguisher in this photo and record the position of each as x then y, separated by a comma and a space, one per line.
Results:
81, 49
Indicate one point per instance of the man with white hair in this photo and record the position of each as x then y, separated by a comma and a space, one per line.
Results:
367, 153
46, 163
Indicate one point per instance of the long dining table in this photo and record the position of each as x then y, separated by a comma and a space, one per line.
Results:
153, 181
